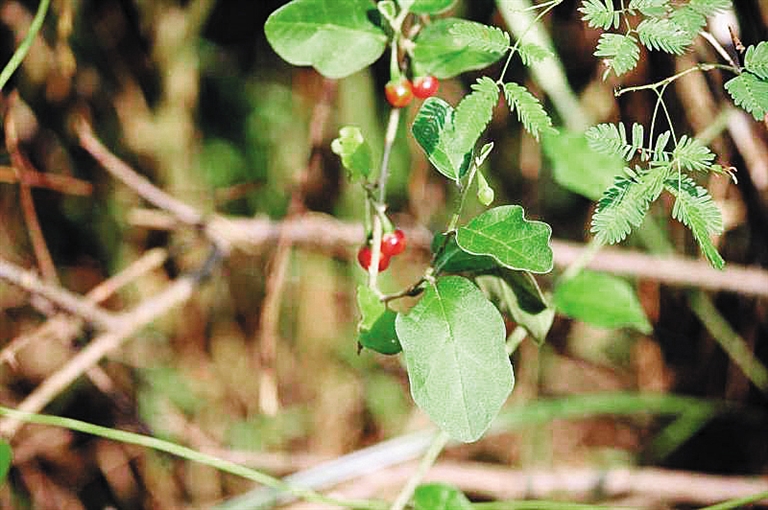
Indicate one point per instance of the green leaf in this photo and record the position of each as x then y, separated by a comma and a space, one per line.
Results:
529, 110
448, 136
654, 8
611, 140
620, 51
438, 496
625, 204
750, 93
354, 152
431, 6
696, 210
453, 341
370, 306
693, 155
504, 234
663, 34
601, 300
6, 459
709, 7
453, 259
518, 294
532, 53
756, 60
437, 52
689, 20
577, 167
336, 37
480, 37
599, 14
382, 337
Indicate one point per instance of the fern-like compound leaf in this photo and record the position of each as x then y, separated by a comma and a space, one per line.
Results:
695, 208
611, 139
529, 110
480, 37
750, 93
663, 34
600, 14
653, 8
693, 155
756, 60
689, 20
620, 51
625, 204
473, 114
660, 153
532, 53
709, 7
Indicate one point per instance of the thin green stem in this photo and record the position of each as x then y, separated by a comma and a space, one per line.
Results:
23, 49
544, 505
584, 258
513, 49
738, 503
441, 439
185, 453
670, 79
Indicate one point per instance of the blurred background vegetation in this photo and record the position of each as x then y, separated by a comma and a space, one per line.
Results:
190, 94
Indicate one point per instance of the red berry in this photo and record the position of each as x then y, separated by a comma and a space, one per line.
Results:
365, 254
425, 86
393, 243
399, 92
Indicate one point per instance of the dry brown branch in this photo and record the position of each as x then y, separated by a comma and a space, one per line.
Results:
22, 167
269, 400
57, 295
500, 483
64, 327
326, 232
128, 325
65, 184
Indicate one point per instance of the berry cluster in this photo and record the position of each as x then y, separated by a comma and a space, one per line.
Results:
392, 243
400, 92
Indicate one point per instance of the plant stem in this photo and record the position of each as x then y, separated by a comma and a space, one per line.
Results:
185, 453
441, 439
670, 79
23, 49
584, 258
738, 503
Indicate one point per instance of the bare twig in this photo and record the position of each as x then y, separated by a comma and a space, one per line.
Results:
326, 232
64, 327
140, 184
57, 295
65, 184
131, 322
501, 483
22, 166
269, 401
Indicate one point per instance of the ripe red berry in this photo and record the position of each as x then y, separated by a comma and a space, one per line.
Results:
393, 243
399, 92
425, 86
365, 254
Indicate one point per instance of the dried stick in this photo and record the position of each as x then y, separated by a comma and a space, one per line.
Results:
22, 165
64, 327
59, 296
131, 322
65, 184
326, 232
269, 400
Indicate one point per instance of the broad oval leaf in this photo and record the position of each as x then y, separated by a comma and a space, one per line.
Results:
433, 129
601, 300
336, 37
6, 459
453, 341
431, 6
439, 496
504, 234
453, 259
439, 53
